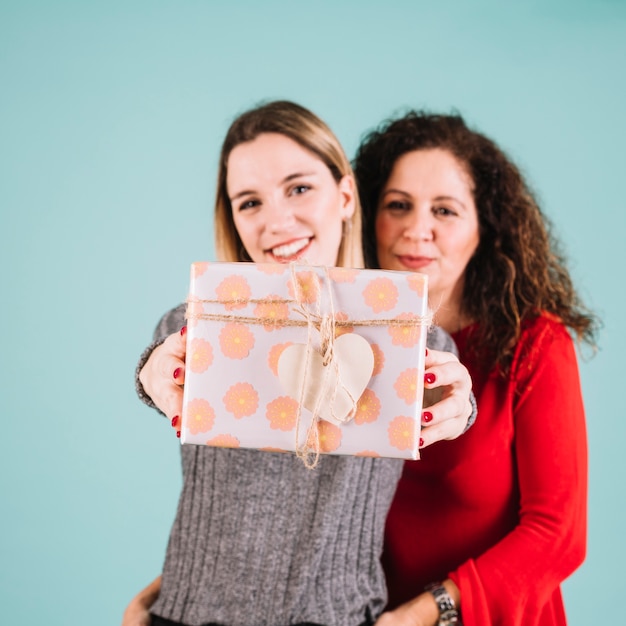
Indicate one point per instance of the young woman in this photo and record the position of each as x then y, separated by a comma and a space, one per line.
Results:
258, 538
502, 515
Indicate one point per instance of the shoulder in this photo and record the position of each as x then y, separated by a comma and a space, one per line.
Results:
544, 340
543, 330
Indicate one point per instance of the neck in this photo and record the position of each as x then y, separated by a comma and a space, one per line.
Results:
447, 311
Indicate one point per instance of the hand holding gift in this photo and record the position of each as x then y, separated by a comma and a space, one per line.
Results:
163, 376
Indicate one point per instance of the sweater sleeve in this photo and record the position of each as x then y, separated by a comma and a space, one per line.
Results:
170, 323
517, 576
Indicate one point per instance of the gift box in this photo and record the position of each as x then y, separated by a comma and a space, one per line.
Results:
305, 359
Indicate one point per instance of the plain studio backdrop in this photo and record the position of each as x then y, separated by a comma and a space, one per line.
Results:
111, 118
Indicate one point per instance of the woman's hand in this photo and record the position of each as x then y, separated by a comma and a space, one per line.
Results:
137, 613
447, 406
163, 376
421, 610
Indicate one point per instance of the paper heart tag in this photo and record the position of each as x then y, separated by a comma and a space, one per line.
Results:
332, 389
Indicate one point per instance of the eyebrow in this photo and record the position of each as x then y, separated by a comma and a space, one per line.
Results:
287, 179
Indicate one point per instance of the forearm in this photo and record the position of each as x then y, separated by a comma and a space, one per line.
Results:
421, 610
137, 612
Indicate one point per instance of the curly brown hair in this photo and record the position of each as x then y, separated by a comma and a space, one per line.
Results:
518, 270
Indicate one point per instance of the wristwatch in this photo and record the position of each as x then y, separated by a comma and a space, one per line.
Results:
448, 613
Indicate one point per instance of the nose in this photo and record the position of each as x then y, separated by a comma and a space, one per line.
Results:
418, 227
280, 217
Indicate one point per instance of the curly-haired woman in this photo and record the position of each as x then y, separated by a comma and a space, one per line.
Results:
498, 516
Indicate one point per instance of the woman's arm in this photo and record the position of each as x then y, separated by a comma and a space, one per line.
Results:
514, 579
137, 613
160, 373
421, 611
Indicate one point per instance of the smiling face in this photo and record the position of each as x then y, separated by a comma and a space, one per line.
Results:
286, 204
427, 222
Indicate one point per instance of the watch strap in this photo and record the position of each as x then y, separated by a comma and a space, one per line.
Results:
448, 613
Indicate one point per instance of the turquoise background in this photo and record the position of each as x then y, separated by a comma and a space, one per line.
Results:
111, 118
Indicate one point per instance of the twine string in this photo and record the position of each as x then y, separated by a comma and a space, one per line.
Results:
326, 325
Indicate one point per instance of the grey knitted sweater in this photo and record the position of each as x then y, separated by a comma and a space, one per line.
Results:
260, 540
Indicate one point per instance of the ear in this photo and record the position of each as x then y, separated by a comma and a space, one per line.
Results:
347, 191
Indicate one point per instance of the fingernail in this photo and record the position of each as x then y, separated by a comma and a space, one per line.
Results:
427, 416
177, 372
175, 421
178, 433
421, 443
426, 351
183, 330
429, 378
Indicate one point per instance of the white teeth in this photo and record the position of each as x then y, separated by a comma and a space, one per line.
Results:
290, 249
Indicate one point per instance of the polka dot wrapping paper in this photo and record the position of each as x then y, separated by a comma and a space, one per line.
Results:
302, 358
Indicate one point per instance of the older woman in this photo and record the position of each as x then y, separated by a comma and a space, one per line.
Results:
492, 523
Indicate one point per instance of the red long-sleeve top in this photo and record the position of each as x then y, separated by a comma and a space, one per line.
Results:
502, 510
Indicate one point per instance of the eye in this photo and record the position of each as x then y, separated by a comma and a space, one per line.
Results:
248, 204
397, 206
299, 190
444, 211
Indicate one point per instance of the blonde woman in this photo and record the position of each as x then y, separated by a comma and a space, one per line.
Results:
258, 538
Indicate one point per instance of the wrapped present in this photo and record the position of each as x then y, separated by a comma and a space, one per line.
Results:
305, 359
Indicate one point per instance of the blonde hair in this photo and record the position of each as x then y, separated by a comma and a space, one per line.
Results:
309, 131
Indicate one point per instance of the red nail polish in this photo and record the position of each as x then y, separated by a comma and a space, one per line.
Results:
429, 378
178, 433
175, 421
427, 416
421, 443
177, 372
183, 330
426, 351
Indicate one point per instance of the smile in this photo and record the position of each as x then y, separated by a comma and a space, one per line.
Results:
290, 251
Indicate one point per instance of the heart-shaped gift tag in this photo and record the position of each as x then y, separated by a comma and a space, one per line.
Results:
332, 389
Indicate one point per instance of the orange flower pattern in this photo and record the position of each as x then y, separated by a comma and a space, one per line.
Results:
406, 336
406, 385
340, 316
197, 269
379, 359
417, 283
368, 453
282, 413
308, 288
200, 355
274, 355
401, 432
224, 441
236, 340
200, 416
272, 310
367, 408
271, 268
241, 400
381, 295
329, 436
231, 289
343, 274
